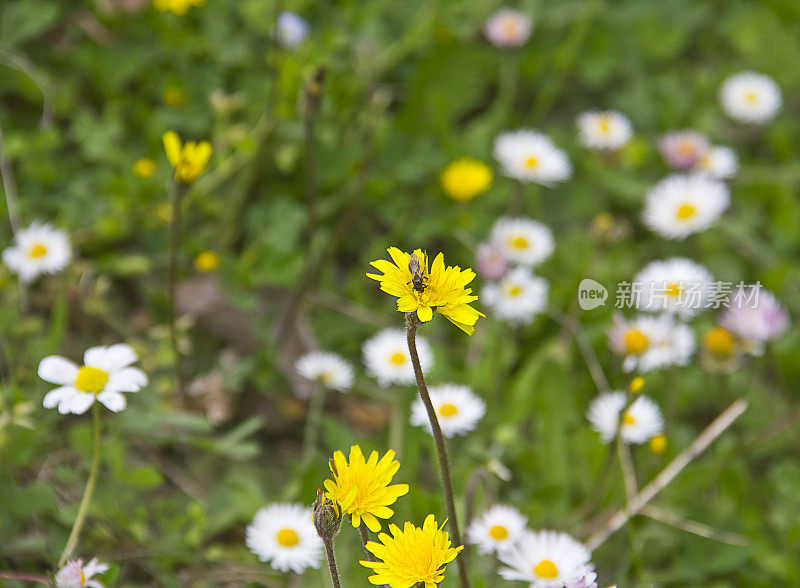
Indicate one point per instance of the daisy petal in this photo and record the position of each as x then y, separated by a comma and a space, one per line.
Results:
113, 401
78, 403
128, 379
111, 358
57, 396
58, 370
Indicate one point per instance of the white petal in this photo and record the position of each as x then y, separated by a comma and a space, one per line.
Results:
57, 396
127, 380
113, 401
111, 358
58, 370
79, 403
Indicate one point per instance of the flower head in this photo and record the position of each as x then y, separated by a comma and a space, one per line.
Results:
491, 262
292, 29
362, 488
37, 250
496, 528
756, 322
188, 160
683, 149
465, 179
545, 559
179, 7
508, 28
329, 369
438, 288
457, 408
285, 536
523, 240
680, 205
750, 97
144, 168
529, 156
104, 375
518, 297
412, 555
75, 574
720, 163
387, 359
206, 261
640, 423
676, 285
608, 130
651, 342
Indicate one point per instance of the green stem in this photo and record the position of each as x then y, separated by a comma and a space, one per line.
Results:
316, 407
364, 532
87, 493
444, 468
175, 196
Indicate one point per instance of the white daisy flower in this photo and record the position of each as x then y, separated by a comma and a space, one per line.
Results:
523, 240
104, 375
292, 29
75, 574
588, 580
457, 408
680, 205
284, 535
330, 369
651, 342
720, 163
677, 285
508, 28
640, 423
387, 359
608, 129
756, 317
545, 559
498, 527
39, 249
530, 156
518, 297
750, 97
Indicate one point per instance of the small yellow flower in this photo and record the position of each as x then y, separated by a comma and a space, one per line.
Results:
720, 342
465, 179
441, 289
361, 488
637, 384
144, 168
207, 261
189, 160
411, 556
179, 7
658, 444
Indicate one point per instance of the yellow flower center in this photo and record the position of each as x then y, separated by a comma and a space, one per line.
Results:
751, 97
636, 342
397, 358
514, 291
498, 532
518, 242
326, 377
287, 538
674, 290
82, 577
531, 162
91, 380
448, 410
720, 341
686, 148
604, 124
628, 419
510, 27
207, 261
37, 250
546, 569
685, 212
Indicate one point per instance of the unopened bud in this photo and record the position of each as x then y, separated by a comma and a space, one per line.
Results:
327, 518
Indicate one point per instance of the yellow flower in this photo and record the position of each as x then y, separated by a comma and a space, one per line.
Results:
465, 179
439, 288
637, 384
658, 444
720, 341
361, 488
411, 556
189, 160
179, 7
144, 168
207, 261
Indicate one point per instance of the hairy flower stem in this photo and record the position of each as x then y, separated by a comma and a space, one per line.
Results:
87, 493
412, 322
362, 529
176, 192
332, 563
316, 407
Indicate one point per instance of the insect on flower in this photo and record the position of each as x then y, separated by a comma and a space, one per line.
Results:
418, 279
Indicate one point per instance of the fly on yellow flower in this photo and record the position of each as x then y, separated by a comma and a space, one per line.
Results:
361, 488
423, 290
411, 556
465, 179
189, 160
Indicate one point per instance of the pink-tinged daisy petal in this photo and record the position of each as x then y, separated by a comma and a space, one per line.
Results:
57, 396
58, 370
113, 401
78, 403
128, 379
111, 358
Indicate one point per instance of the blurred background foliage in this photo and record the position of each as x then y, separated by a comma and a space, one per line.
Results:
408, 87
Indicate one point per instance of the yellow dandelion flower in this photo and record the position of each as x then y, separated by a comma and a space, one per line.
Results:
207, 261
441, 289
465, 179
189, 160
412, 555
361, 488
144, 168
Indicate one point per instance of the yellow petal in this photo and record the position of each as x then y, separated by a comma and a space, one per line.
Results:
172, 147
